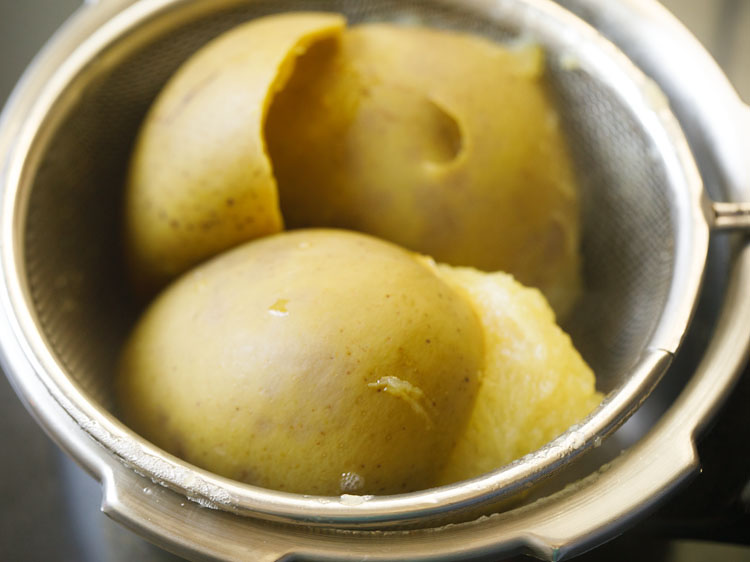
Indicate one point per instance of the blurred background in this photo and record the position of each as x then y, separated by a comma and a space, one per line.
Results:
49, 507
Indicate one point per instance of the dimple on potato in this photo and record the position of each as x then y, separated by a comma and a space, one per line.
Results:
317, 362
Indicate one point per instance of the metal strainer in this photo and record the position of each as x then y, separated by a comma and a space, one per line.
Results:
66, 138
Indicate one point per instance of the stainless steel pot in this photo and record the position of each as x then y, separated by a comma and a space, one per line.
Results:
59, 324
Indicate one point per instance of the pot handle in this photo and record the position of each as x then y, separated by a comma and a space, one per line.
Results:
187, 529
715, 505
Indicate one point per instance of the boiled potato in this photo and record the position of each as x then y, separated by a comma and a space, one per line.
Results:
534, 385
200, 179
328, 362
445, 143
318, 362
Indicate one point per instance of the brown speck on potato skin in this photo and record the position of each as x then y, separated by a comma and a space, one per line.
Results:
209, 224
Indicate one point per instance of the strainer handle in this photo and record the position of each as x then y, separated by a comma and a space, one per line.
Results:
736, 216
731, 216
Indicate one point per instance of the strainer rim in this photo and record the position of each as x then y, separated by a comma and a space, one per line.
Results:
224, 493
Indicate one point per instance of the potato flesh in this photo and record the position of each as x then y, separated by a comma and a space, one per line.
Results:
294, 364
444, 143
534, 386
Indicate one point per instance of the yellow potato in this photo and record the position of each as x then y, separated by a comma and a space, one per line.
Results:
318, 362
534, 385
327, 362
444, 143
200, 179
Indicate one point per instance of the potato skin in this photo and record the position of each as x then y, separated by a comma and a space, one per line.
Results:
200, 180
316, 362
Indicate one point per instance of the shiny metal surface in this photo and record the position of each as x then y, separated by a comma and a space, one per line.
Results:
560, 524
730, 216
61, 361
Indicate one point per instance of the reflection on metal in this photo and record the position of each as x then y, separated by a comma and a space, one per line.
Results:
731, 216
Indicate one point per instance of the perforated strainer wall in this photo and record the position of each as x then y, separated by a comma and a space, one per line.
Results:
72, 232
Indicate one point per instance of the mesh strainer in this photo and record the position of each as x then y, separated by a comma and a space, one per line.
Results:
66, 139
